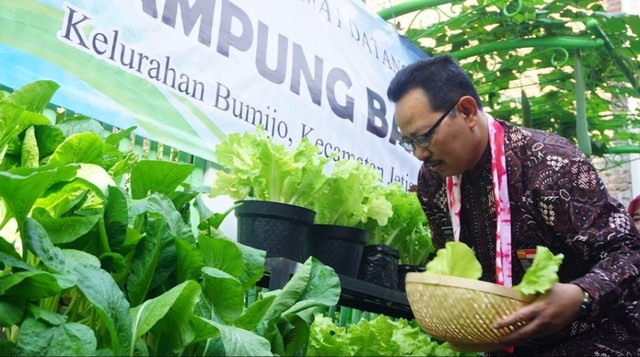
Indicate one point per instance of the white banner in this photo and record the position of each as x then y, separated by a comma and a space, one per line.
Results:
187, 73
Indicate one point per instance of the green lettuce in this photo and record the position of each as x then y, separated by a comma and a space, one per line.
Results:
542, 273
380, 336
406, 230
351, 195
256, 167
457, 259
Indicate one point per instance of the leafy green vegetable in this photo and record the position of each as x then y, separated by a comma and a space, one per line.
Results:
352, 194
542, 273
94, 267
259, 168
406, 230
380, 336
455, 259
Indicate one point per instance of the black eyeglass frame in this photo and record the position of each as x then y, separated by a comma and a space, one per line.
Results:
424, 140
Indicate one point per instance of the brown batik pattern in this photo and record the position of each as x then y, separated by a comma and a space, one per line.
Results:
558, 201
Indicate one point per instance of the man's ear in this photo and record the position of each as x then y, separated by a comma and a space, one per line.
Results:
468, 106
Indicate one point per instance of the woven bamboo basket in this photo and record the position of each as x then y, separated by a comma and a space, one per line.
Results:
461, 311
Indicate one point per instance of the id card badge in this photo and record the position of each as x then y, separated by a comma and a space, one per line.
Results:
447, 233
526, 257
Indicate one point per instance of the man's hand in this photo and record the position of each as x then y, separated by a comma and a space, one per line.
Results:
548, 314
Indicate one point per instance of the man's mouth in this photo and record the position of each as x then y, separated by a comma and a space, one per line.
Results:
433, 164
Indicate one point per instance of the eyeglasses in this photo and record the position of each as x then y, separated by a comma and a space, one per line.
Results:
424, 140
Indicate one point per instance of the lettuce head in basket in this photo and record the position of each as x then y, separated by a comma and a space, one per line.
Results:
457, 259
450, 302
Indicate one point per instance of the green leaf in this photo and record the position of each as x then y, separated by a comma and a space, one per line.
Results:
30, 156
455, 259
204, 331
258, 167
9, 119
379, 336
95, 178
182, 200
189, 261
115, 138
11, 261
34, 96
327, 339
69, 339
109, 302
240, 342
29, 285
12, 310
50, 317
20, 192
82, 257
65, 229
159, 206
407, 228
304, 190
352, 194
116, 265
116, 217
295, 334
9, 257
253, 265
48, 138
61, 199
37, 240
175, 305
542, 273
80, 124
224, 294
167, 262
145, 261
313, 281
157, 176
271, 331
79, 148
222, 254
28, 119
255, 313
96, 284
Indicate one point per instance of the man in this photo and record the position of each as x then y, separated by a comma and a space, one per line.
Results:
503, 190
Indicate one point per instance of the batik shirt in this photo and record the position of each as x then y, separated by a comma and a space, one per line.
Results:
557, 200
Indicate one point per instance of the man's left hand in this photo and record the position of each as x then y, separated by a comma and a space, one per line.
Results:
546, 315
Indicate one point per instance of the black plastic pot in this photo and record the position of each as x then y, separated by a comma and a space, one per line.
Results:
339, 247
403, 269
278, 228
379, 265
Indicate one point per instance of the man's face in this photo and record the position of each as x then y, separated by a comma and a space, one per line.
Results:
446, 150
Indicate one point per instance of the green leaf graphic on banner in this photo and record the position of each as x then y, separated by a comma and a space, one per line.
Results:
153, 111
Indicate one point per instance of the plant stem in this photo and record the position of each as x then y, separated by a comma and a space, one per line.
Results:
551, 41
407, 7
104, 240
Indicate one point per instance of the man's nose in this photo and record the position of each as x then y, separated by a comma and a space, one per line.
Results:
421, 153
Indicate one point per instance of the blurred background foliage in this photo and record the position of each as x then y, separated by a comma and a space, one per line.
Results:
534, 60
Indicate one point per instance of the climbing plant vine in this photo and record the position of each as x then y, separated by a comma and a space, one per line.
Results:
524, 56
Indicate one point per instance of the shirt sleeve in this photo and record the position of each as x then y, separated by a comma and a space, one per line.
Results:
574, 202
